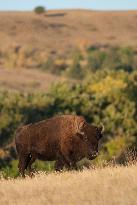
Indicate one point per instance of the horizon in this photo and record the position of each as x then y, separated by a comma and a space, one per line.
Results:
107, 5
70, 9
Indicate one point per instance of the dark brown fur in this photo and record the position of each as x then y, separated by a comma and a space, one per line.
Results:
65, 139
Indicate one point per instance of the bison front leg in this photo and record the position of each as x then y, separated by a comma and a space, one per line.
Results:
59, 164
70, 164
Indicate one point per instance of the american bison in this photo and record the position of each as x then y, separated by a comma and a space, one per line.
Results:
65, 139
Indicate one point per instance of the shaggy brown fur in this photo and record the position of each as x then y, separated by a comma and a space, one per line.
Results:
65, 139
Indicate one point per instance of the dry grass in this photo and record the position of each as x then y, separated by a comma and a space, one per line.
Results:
27, 80
108, 186
61, 31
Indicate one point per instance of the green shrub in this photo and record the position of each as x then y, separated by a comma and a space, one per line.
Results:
40, 10
75, 70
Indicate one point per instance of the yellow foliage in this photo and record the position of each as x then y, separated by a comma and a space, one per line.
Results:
108, 85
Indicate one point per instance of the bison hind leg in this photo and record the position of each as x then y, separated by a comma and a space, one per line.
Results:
32, 160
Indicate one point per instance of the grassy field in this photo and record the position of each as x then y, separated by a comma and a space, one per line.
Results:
112, 185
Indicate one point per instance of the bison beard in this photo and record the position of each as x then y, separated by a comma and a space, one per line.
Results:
65, 139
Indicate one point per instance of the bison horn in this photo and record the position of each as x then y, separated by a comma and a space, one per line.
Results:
102, 128
80, 128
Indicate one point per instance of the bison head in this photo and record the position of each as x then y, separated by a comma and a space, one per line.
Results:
90, 135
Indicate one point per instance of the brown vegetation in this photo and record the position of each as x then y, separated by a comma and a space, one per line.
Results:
61, 31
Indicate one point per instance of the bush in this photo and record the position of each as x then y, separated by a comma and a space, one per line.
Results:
78, 65
39, 10
75, 70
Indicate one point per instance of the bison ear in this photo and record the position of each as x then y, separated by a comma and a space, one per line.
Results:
81, 132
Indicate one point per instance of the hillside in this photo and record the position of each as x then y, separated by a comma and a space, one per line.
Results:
49, 42
92, 187
60, 31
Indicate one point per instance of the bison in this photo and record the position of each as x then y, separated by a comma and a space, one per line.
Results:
65, 139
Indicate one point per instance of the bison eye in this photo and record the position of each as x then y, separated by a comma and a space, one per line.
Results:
83, 137
86, 139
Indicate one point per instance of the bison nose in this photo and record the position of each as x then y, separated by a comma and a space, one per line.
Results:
93, 155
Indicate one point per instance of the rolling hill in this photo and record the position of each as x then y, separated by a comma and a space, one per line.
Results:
27, 39
60, 31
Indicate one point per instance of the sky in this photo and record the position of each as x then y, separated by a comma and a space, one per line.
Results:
61, 4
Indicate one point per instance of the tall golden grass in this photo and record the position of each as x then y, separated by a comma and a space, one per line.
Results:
106, 186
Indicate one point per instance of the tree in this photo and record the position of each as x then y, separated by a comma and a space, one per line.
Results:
40, 10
